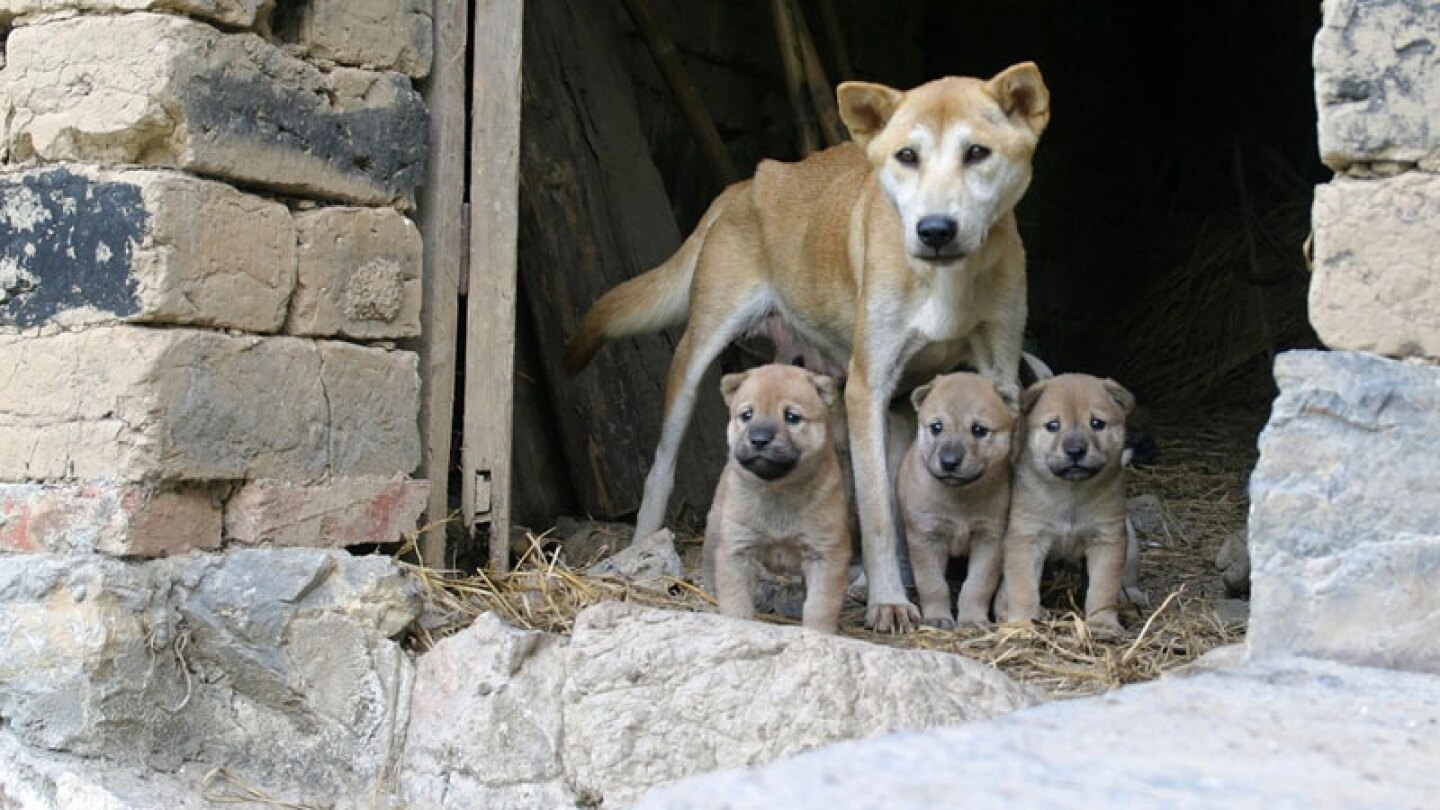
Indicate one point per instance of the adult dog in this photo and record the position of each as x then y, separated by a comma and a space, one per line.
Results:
894, 257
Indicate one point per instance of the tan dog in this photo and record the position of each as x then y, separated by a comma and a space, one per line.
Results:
1069, 494
781, 499
953, 490
893, 256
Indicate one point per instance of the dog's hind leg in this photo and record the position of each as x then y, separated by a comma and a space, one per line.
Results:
705, 337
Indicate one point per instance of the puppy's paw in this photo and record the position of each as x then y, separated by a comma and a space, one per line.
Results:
940, 622
1104, 627
892, 618
970, 617
1137, 597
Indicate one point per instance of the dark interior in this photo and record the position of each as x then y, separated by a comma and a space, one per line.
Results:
1164, 226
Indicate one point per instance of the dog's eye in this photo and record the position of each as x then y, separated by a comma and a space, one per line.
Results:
979, 431
976, 153
907, 156
936, 428
1053, 426
746, 414
791, 417
1097, 424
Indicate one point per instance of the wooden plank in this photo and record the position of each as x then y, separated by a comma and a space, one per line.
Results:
440, 222
593, 213
490, 305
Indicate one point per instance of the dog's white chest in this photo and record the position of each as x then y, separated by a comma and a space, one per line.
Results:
949, 310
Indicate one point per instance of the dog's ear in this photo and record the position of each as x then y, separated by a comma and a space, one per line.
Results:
866, 108
1120, 394
1022, 94
1009, 394
730, 383
917, 397
825, 387
1032, 394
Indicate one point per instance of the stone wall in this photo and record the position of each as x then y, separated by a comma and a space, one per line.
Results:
204, 256
1343, 521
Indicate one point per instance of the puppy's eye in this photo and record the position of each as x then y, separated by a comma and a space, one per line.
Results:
936, 428
976, 153
791, 417
1097, 424
746, 414
979, 431
1053, 426
907, 156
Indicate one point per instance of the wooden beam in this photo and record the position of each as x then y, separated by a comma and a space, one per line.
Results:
822, 94
490, 305
793, 62
440, 222
682, 88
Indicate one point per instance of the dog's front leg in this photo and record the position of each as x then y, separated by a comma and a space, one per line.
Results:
1024, 559
734, 579
873, 376
1104, 564
995, 349
825, 579
982, 577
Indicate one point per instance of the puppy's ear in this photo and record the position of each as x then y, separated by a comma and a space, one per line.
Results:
917, 397
1022, 94
825, 387
1009, 394
730, 383
866, 108
1120, 394
1032, 394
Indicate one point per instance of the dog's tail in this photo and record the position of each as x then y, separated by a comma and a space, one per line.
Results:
646, 303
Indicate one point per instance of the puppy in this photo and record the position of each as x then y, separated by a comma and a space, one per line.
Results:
781, 499
1069, 494
953, 489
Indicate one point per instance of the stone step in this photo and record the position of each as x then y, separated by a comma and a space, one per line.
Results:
161, 90
1290, 733
135, 404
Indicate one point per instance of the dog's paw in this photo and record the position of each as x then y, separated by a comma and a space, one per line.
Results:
940, 623
972, 618
888, 618
1137, 597
1104, 628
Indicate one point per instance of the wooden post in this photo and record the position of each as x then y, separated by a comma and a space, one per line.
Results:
793, 63
440, 221
494, 217
667, 59
821, 92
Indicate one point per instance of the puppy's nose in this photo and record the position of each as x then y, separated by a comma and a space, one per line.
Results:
761, 435
1075, 447
949, 460
937, 232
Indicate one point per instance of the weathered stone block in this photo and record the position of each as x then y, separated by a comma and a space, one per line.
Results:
504, 718
1376, 63
1377, 264
136, 404
81, 245
161, 90
359, 274
278, 664
1344, 522
230, 12
120, 519
378, 34
337, 513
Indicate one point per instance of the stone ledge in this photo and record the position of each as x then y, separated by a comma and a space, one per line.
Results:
161, 90
117, 519
134, 404
81, 245
1376, 285
335, 514
1344, 531
1375, 68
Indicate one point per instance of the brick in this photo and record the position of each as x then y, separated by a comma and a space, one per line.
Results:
1376, 285
359, 274
80, 245
338, 513
118, 519
1376, 64
379, 34
1344, 527
154, 89
230, 12
135, 404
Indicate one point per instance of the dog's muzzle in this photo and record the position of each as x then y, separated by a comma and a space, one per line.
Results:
768, 463
1073, 471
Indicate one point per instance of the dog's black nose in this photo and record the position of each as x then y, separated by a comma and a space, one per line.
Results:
1075, 447
937, 232
949, 461
760, 436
